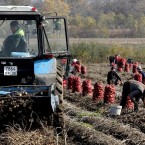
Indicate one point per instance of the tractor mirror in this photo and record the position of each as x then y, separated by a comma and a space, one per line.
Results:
57, 24
34, 31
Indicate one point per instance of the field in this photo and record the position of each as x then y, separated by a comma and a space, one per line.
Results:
88, 122
109, 40
92, 122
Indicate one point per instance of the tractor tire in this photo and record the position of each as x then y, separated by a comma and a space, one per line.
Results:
58, 119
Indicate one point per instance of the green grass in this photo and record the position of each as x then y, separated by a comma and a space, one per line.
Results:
82, 114
96, 52
87, 125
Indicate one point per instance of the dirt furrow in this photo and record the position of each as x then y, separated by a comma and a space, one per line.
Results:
86, 135
85, 102
108, 126
135, 120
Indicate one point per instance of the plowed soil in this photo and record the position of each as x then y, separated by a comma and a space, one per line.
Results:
90, 122
87, 122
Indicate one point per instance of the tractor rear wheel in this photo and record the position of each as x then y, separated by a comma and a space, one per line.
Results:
58, 118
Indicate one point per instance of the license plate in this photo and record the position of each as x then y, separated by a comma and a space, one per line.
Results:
10, 70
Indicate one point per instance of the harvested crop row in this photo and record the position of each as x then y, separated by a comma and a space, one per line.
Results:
83, 101
87, 135
134, 119
108, 126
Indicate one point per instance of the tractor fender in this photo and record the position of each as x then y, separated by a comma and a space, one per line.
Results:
45, 71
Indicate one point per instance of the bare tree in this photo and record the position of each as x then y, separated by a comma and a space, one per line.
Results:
80, 7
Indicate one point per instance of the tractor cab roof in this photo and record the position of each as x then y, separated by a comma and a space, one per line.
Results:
18, 8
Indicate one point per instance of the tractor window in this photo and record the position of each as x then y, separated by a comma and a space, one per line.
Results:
55, 29
18, 38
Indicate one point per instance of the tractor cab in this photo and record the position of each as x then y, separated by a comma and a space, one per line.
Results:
27, 40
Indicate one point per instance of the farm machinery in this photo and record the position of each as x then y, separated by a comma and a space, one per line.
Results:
31, 86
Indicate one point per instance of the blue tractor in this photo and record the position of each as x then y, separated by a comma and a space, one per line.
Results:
34, 60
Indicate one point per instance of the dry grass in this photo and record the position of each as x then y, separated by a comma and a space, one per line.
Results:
13, 137
109, 40
44, 135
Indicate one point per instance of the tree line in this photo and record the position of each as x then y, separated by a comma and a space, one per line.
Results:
107, 18
95, 18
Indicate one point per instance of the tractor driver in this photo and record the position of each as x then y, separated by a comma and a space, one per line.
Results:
14, 42
15, 28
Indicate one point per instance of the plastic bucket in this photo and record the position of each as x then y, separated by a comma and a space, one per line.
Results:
115, 110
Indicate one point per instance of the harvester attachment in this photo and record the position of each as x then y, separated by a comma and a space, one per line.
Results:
27, 105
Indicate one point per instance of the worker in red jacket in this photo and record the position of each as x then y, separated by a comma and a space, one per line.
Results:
135, 90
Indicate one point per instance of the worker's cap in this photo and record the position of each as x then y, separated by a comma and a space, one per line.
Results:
74, 60
139, 68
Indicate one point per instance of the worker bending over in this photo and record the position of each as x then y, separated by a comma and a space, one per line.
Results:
135, 90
